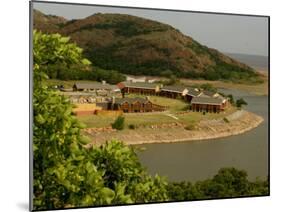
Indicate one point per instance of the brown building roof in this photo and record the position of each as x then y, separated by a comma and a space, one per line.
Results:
209, 93
193, 92
206, 100
178, 89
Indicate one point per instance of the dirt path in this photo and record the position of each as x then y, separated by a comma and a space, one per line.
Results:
172, 116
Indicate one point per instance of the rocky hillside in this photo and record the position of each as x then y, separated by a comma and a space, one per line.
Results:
135, 45
47, 23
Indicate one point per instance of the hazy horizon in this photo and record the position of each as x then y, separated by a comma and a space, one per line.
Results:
227, 33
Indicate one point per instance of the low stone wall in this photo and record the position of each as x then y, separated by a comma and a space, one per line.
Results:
238, 123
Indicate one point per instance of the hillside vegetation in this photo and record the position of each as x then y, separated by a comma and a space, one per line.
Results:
134, 45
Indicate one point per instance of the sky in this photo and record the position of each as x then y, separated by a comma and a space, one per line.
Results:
227, 33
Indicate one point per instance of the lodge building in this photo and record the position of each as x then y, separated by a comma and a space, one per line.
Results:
139, 88
97, 87
199, 100
175, 92
134, 105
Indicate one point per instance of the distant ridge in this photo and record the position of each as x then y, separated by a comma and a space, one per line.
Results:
138, 46
255, 61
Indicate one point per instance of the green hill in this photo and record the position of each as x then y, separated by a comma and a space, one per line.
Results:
139, 46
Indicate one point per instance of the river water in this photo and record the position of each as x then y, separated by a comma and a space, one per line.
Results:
199, 160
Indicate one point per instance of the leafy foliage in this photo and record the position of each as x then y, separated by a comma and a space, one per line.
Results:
240, 102
119, 123
229, 182
226, 120
132, 126
63, 177
231, 99
122, 169
126, 28
208, 87
78, 72
65, 173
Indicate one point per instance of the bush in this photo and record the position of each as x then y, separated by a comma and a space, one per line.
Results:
240, 102
228, 182
231, 99
189, 127
124, 174
172, 80
119, 123
132, 126
208, 87
82, 72
226, 120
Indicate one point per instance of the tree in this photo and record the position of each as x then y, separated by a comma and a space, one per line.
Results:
65, 173
167, 73
119, 123
63, 177
228, 182
208, 87
123, 170
231, 99
240, 102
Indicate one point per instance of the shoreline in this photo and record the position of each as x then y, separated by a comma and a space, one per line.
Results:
237, 123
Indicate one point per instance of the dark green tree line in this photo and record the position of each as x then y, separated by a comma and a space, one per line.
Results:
228, 182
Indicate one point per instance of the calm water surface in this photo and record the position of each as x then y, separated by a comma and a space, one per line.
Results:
199, 160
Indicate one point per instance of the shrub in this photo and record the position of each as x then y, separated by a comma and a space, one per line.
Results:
189, 127
208, 87
226, 120
228, 182
119, 123
231, 99
132, 126
240, 102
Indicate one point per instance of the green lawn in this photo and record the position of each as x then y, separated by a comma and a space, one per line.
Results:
97, 120
173, 104
148, 119
140, 120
